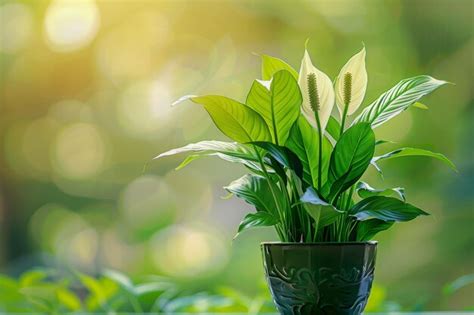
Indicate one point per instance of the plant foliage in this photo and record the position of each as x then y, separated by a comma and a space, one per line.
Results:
305, 165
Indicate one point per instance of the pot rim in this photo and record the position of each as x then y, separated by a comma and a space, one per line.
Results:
277, 243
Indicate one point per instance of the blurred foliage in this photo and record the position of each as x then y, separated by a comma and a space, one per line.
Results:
85, 89
49, 291
57, 291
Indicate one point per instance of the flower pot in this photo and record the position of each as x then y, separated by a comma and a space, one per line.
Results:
319, 278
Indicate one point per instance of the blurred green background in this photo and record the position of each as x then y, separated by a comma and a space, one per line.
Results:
85, 95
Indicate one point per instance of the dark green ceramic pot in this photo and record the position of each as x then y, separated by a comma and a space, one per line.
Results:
320, 278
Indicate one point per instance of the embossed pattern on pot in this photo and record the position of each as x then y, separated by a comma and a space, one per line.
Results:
320, 278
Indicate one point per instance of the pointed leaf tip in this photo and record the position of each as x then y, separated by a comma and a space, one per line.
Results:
183, 99
306, 43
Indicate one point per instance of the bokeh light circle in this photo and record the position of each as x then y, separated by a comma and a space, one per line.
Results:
79, 151
70, 24
36, 143
144, 108
186, 251
64, 232
148, 200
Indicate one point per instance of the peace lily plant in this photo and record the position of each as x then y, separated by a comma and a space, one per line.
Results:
305, 163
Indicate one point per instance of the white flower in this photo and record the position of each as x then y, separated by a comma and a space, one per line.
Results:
351, 83
324, 96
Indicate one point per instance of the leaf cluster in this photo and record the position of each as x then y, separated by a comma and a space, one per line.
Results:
305, 168
48, 291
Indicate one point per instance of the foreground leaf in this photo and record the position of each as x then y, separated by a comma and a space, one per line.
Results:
304, 143
237, 121
398, 99
279, 106
386, 209
68, 299
257, 219
365, 190
229, 151
255, 190
282, 155
271, 65
350, 158
321, 211
333, 128
366, 230
414, 152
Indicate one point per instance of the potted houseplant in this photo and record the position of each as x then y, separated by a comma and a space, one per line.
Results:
305, 161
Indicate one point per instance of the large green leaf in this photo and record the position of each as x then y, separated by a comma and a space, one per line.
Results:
304, 142
282, 155
413, 152
271, 65
350, 158
229, 151
367, 229
386, 209
279, 106
365, 190
255, 190
321, 211
257, 219
237, 121
398, 99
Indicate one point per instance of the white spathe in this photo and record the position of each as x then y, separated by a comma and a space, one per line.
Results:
325, 93
356, 67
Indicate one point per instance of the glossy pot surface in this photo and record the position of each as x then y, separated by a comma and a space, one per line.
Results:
320, 278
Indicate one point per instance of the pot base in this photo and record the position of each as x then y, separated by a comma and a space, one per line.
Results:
320, 278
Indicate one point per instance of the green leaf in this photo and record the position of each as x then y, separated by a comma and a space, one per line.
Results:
255, 190
282, 155
257, 219
350, 158
420, 106
414, 152
237, 121
304, 142
333, 128
321, 211
121, 279
279, 106
32, 277
459, 283
366, 230
398, 99
229, 151
365, 190
126, 284
271, 65
68, 299
100, 291
380, 142
386, 209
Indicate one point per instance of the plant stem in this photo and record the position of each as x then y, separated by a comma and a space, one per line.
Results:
275, 132
270, 184
316, 106
320, 149
343, 121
